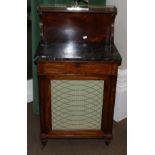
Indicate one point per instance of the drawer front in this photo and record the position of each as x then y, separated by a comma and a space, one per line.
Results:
77, 68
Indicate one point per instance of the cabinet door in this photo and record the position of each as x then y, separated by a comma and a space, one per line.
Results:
76, 108
76, 104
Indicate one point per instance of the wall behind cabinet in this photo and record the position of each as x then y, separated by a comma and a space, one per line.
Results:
91, 2
120, 36
120, 39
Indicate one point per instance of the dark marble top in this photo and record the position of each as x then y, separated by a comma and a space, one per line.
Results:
78, 52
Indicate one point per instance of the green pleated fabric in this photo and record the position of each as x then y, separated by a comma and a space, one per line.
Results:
76, 104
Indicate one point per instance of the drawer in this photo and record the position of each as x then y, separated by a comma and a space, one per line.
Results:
77, 68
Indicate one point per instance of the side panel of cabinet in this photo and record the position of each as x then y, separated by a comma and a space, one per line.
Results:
108, 106
45, 104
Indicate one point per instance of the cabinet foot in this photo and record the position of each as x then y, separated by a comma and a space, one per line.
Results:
107, 142
43, 142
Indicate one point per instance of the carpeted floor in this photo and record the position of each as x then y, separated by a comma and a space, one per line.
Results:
118, 145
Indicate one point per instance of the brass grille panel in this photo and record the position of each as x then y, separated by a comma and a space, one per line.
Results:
76, 104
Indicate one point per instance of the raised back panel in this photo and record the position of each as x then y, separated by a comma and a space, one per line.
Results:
83, 26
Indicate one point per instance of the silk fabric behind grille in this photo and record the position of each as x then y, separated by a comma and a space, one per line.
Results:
76, 104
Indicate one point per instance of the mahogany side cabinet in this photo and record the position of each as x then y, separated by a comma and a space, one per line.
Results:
77, 63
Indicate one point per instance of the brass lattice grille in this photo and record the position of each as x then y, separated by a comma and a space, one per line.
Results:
76, 104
